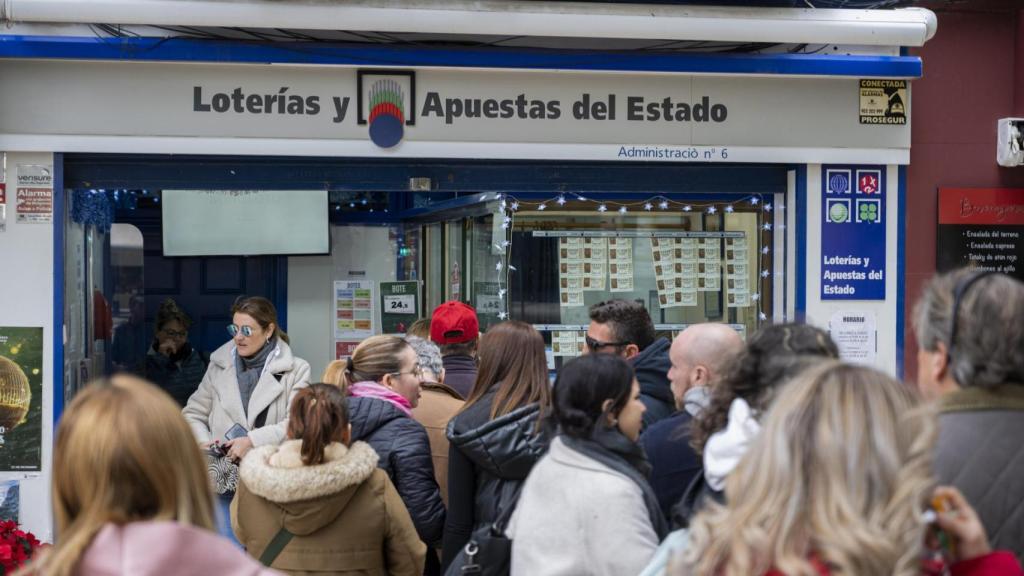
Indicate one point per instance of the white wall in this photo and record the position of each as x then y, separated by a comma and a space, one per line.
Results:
26, 299
820, 312
354, 250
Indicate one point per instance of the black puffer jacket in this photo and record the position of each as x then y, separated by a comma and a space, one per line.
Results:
404, 451
651, 368
488, 460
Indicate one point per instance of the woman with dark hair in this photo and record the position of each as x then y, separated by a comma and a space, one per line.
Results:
171, 362
339, 511
243, 400
496, 438
723, 432
587, 507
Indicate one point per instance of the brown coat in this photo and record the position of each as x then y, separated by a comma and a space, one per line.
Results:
346, 516
438, 404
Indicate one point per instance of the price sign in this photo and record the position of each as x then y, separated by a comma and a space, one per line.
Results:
399, 306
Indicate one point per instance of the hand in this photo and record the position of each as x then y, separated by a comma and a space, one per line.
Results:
238, 448
961, 522
167, 347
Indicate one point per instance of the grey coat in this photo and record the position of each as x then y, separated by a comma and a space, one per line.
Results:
981, 452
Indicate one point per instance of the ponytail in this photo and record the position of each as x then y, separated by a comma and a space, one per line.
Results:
369, 362
319, 416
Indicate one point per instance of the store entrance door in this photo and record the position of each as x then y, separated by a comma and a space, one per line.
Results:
204, 287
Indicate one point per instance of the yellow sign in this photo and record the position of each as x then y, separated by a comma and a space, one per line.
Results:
883, 101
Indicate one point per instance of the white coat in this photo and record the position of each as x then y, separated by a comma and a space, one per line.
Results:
217, 404
578, 517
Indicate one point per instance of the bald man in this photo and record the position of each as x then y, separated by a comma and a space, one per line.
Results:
698, 355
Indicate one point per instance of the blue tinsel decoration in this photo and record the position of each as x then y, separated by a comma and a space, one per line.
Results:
92, 208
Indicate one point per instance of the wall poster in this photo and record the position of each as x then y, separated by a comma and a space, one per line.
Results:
983, 227
353, 309
21, 399
399, 306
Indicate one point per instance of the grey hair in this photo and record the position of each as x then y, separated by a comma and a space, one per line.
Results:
989, 347
428, 353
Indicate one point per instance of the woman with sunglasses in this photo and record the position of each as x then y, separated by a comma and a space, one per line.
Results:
243, 400
382, 379
171, 362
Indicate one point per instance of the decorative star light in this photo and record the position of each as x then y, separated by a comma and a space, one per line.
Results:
754, 201
542, 207
762, 316
687, 208
483, 197
561, 201
502, 292
765, 250
503, 205
767, 226
515, 206
512, 268
768, 207
498, 266
729, 209
663, 205
712, 210
505, 243
648, 206
602, 208
582, 198
622, 210
765, 273
755, 296
502, 315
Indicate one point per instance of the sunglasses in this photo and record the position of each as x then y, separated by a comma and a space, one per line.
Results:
596, 345
234, 330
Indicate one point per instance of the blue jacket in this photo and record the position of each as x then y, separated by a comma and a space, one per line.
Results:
651, 366
674, 463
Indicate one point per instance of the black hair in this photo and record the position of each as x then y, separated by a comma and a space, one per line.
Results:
628, 319
581, 388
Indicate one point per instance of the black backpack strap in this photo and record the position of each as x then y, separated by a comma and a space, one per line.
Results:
261, 418
277, 544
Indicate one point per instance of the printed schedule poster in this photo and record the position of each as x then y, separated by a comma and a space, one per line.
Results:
982, 227
21, 399
853, 235
353, 309
399, 306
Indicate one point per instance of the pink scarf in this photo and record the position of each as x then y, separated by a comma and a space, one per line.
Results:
370, 389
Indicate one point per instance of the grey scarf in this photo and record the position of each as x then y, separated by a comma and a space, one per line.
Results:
248, 371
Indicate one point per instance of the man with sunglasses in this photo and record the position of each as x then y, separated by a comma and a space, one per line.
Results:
970, 333
624, 328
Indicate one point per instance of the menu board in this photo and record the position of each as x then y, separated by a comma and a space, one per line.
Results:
983, 227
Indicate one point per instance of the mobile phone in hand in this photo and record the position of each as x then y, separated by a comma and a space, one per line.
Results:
236, 431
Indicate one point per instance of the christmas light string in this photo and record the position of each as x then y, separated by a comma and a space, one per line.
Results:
509, 205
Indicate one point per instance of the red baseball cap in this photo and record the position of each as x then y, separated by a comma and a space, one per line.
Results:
454, 323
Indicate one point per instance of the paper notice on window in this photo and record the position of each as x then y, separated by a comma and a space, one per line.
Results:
353, 309
567, 343
856, 335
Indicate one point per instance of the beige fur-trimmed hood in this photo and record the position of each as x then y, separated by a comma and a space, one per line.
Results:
277, 474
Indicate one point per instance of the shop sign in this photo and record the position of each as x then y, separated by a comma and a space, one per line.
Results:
883, 102
535, 114
853, 233
982, 227
34, 193
399, 306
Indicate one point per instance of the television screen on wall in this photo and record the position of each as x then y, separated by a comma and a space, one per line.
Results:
245, 222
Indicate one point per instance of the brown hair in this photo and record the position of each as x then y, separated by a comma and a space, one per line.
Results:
420, 328
512, 358
319, 416
370, 361
262, 311
123, 453
169, 312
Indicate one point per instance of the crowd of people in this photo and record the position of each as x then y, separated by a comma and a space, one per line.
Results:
448, 451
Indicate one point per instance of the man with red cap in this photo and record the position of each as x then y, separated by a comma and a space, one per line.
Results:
455, 328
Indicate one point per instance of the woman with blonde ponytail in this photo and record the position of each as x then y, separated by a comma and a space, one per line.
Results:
318, 504
382, 380
130, 492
